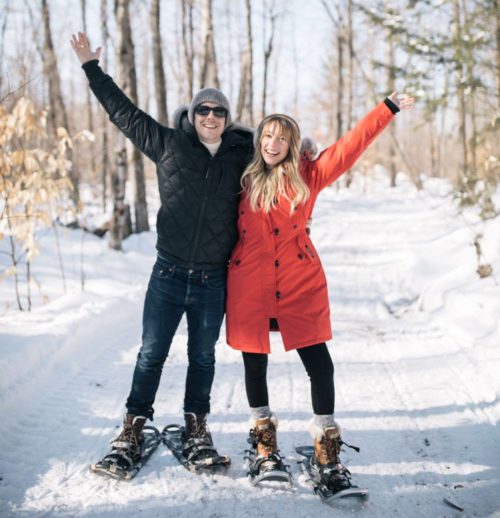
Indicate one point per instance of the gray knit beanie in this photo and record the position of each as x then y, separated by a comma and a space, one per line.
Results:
211, 95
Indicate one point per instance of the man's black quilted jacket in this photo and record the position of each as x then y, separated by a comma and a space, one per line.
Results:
199, 194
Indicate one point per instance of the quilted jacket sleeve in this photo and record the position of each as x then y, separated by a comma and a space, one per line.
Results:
341, 156
148, 135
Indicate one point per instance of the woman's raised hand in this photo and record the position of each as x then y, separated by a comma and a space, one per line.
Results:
81, 46
402, 101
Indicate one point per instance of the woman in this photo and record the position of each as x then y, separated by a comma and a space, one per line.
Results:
276, 281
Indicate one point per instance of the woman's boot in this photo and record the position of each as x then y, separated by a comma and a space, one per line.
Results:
326, 467
265, 462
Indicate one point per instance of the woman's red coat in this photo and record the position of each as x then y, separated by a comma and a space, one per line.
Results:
275, 271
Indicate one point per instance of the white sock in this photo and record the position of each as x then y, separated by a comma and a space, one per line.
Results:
324, 421
260, 412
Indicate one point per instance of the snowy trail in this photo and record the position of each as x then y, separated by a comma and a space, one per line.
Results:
431, 424
421, 400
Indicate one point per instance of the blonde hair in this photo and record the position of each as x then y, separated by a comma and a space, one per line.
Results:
264, 186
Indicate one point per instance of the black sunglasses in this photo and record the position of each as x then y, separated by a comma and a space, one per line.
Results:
218, 111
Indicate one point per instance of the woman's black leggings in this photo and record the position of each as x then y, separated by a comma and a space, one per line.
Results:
319, 367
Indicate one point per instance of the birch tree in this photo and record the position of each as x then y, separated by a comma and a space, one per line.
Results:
58, 116
121, 223
208, 61
159, 70
391, 87
3, 27
187, 43
460, 87
495, 7
105, 127
90, 118
128, 80
271, 15
249, 96
244, 79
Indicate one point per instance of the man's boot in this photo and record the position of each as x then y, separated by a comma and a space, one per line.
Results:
198, 444
128, 443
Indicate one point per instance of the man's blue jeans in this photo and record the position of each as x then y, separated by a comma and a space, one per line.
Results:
172, 291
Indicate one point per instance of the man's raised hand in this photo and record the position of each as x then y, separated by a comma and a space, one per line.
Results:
81, 46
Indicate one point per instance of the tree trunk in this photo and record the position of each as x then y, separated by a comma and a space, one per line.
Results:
208, 62
249, 100
229, 51
57, 112
3, 29
496, 8
58, 115
13, 258
472, 111
391, 85
462, 130
159, 71
121, 210
340, 78
433, 146
90, 118
244, 71
350, 79
126, 62
187, 42
105, 129
121, 223
268, 46
90, 121
441, 130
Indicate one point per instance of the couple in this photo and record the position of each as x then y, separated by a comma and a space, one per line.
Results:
232, 222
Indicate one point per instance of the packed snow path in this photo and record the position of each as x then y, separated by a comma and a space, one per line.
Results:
419, 399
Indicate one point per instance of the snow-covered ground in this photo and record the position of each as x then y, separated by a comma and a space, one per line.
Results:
416, 353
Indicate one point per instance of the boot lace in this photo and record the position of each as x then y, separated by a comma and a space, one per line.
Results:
198, 445
128, 439
127, 435
200, 431
333, 447
266, 438
332, 450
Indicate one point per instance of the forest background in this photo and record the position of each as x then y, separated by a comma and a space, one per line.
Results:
326, 63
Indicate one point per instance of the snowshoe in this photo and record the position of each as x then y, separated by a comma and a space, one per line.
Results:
192, 446
321, 464
130, 450
265, 464
329, 483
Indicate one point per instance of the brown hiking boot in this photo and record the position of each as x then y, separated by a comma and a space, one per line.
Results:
198, 444
263, 437
327, 449
130, 438
196, 426
265, 462
326, 467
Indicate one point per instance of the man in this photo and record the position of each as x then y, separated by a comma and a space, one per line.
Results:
199, 166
